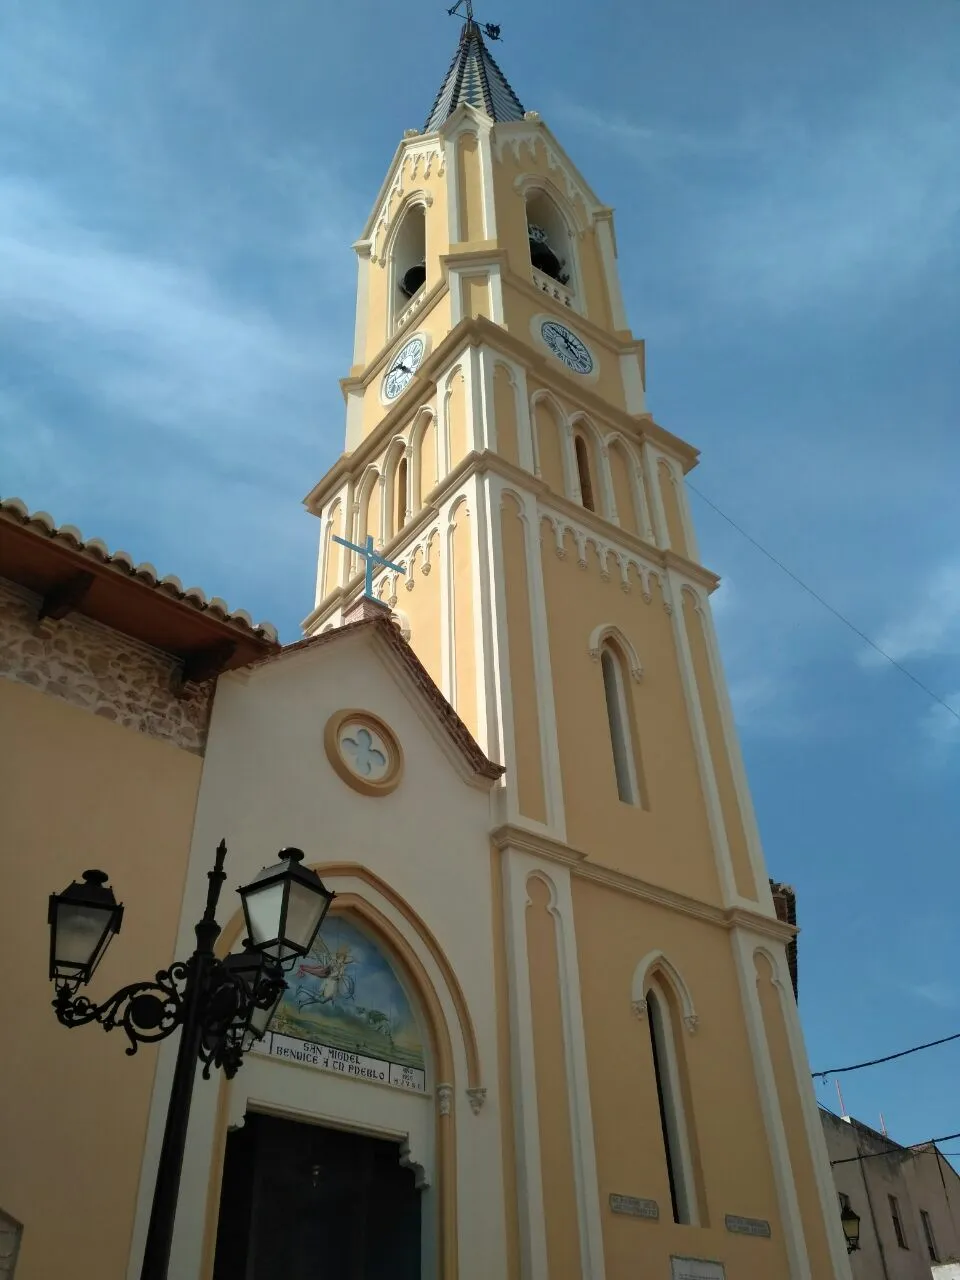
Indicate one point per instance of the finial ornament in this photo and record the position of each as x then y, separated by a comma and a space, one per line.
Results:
464, 8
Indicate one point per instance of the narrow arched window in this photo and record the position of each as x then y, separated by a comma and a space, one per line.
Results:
408, 266
400, 497
619, 720
670, 1101
551, 248
583, 471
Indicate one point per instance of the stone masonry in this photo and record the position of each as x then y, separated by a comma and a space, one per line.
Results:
104, 672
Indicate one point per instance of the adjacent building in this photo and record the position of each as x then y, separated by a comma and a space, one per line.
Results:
907, 1199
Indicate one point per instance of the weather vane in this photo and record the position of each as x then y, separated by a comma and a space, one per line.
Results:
490, 29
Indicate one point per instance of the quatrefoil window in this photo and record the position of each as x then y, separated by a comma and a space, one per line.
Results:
364, 751
358, 746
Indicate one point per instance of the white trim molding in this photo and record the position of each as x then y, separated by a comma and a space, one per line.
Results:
519, 868
744, 947
610, 631
606, 242
708, 779
657, 963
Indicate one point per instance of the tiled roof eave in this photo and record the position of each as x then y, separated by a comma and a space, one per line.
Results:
41, 525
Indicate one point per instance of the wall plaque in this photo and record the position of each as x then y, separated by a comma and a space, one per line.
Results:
696, 1269
747, 1226
635, 1207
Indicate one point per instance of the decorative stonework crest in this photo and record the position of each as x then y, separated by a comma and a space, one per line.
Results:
444, 1098
478, 1097
595, 648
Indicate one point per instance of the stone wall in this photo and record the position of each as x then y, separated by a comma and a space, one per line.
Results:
101, 670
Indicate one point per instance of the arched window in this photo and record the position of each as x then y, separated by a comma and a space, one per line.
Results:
400, 497
583, 471
670, 1100
551, 248
621, 729
408, 262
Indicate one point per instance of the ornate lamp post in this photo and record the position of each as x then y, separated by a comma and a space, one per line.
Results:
221, 1006
850, 1222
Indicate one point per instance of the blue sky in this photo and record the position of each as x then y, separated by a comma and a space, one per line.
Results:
179, 188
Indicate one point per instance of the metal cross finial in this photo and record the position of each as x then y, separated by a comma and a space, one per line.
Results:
491, 29
372, 558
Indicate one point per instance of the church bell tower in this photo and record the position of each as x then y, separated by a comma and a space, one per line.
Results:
543, 565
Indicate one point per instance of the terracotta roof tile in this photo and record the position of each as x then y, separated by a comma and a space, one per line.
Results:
68, 535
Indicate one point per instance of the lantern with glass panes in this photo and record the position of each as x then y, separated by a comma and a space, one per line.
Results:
221, 1006
850, 1222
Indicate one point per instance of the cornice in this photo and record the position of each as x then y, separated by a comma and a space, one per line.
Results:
476, 331
422, 383
542, 846
603, 337
551, 503
373, 368
640, 426
485, 253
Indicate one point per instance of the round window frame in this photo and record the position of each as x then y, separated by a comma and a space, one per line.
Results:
331, 741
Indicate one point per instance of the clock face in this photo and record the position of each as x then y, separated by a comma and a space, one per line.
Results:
404, 366
566, 346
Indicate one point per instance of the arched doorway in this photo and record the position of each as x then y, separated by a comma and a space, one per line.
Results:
323, 1188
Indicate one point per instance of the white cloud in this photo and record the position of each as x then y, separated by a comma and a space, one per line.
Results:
942, 727
938, 993
813, 209
155, 340
930, 624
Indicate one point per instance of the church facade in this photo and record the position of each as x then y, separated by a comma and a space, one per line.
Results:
548, 1031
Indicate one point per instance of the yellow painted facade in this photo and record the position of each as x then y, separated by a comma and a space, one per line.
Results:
613, 1073
79, 788
563, 604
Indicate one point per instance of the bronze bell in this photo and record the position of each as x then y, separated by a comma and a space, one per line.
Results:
541, 255
413, 279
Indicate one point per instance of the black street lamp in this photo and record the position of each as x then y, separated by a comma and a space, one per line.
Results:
221, 1006
850, 1222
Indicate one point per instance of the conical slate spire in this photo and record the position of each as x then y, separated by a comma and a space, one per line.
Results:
475, 78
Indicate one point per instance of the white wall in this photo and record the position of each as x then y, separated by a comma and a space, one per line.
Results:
267, 783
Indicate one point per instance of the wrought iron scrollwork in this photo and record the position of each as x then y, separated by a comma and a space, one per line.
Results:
147, 1011
150, 1011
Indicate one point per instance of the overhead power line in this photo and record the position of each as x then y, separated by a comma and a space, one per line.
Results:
826, 604
925, 1148
858, 1066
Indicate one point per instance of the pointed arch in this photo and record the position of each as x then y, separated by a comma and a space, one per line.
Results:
405, 254
367, 497
610, 631
621, 719
425, 470
397, 941
393, 460
586, 443
457, 432
626, 484
672, 504
657, 963
670, 1075
329, 562
349, 901
554, 230
506, 407
549, 421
